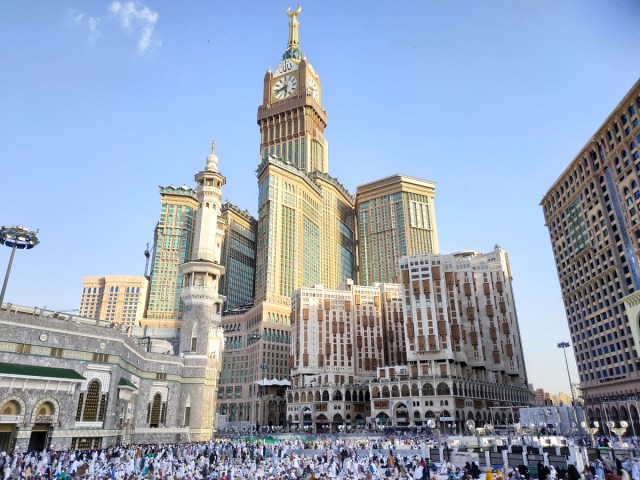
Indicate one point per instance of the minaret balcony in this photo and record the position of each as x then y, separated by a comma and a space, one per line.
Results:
199, 294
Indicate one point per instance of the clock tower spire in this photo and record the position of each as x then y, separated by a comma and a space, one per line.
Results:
293, 48
291, 117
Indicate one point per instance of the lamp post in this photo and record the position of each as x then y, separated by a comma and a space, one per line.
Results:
564, 346
591, 431
263, 366
252, 336
15, 238
488, 429
619, 431
531, 427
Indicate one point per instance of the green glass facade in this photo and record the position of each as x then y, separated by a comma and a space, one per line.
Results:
390, 226
238, 257
172, 247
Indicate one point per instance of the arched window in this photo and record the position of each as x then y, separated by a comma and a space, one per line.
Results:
91, 406
443, 389
11, 408
154, 411
427, 390
194, 337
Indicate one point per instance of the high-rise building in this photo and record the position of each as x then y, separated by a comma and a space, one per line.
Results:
306, 236
396, 217
455, 318
592, 212
201, 335
238, 256
339, 338
464, 351
306, 224
117, 299
172, 247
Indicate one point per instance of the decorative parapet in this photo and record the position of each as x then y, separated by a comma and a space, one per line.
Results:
273, 160
235, 209
333, 181
183, 190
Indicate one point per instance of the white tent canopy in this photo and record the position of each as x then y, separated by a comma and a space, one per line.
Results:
273, 381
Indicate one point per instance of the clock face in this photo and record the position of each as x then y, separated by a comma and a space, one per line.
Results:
313, 88
285, 87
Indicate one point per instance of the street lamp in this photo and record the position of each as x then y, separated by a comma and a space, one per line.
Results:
253, 336
564, 346
263, 366
619, 431
591, 431
14, 238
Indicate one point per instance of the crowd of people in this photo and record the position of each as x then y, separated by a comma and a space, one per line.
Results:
294, 458
226, 459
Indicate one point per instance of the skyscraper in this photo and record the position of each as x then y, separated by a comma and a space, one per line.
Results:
238, 256
592, 212
306, 236
114, 298
396, 217
306, 219
172, 246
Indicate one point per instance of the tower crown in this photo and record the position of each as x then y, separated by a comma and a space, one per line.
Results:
212, 159
293, 47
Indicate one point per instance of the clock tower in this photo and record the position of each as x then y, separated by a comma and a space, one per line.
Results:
291, 117
306, 226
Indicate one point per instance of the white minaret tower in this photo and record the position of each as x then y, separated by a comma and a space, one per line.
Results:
201, 336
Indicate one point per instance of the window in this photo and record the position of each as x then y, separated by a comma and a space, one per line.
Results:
23, 348
154, 410
187, 416
57, 352
92, 406
100, 357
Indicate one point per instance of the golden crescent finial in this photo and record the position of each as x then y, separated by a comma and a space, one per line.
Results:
296, 13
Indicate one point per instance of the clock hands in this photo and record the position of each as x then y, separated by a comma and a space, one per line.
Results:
285, 87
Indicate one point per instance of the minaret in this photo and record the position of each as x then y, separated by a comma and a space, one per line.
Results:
201, 337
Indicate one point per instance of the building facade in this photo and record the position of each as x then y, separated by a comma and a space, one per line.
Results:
396, 217
108, 388
255, 368
117, 299
443, 345
464, 353
173, 240
238, 256
339, 338
592, 212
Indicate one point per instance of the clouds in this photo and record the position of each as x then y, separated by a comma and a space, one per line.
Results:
131, 16
134, 16
92, 23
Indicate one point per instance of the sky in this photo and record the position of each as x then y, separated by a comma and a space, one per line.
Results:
101, 102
